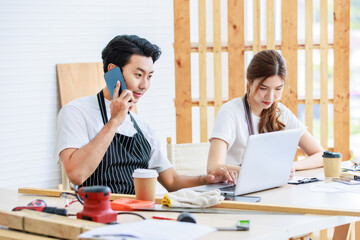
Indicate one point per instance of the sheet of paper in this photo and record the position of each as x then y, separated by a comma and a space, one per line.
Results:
150, 229
334, 187
346, 187
324, 187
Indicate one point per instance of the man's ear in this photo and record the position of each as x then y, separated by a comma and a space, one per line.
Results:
111, 66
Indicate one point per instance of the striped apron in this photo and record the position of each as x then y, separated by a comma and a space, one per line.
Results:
122, 157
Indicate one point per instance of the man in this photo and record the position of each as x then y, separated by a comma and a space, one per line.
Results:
100, 143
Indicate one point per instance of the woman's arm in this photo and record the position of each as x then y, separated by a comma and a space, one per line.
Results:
314, 151
217, 156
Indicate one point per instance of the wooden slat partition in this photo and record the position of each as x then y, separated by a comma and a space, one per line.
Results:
182, 71
202, 71
324, 101
270, 25
309, 112
341, 77
236, 46
289, 49
217, 56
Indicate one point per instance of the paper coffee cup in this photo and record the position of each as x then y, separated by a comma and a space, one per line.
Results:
332, 164
145, 183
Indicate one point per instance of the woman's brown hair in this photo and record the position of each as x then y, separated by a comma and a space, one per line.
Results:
266, 64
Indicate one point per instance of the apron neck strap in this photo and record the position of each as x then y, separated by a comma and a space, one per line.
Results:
248, 115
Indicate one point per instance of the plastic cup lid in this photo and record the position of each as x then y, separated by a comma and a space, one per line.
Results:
145, 173
328, 154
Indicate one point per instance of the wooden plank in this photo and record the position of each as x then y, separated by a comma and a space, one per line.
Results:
270, 24
249, 47
309, 112
323, 234
8, 234
217, 56
289, 49
195, 102
256, 26
324, 102
342, 232
47, 224
202, 71
236, 48
286, 208
56, 193
341, 77
79, 79
357, 230
182, 71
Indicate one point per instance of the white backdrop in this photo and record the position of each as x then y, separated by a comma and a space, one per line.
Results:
36, 35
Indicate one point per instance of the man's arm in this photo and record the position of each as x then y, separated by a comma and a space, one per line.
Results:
173, 181
80, 163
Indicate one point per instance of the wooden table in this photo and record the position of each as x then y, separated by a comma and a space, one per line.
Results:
264, 225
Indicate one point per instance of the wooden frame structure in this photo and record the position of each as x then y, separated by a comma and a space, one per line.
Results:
289, 46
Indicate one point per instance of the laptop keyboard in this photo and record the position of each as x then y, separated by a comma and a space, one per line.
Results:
229, 188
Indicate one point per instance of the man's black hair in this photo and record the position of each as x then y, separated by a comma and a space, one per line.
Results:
119, 50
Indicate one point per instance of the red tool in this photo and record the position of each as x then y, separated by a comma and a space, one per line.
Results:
96, 204
40, 206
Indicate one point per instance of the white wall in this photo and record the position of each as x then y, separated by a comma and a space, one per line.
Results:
36, 35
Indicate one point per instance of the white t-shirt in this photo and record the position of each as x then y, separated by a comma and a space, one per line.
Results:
231, 126
80, 121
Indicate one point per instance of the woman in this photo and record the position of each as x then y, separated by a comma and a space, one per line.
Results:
266, 78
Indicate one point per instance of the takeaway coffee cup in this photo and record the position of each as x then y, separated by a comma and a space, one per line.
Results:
145, 184
332, 164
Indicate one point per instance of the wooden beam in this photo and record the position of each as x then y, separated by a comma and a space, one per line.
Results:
341, 77
57, 192
270, 24
236, 47
249, 46
8, 234
324, 102
217, 56
289, 49
256, 27
46, 224
202, 71
182, 71
210, 102
309, 112
323, 234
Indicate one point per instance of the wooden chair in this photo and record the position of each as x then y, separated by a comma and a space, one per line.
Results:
188, 158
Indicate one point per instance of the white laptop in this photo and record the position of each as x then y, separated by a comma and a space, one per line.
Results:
267, 163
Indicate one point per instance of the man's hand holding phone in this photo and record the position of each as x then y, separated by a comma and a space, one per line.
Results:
121, 105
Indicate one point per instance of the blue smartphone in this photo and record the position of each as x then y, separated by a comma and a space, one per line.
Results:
111, 78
